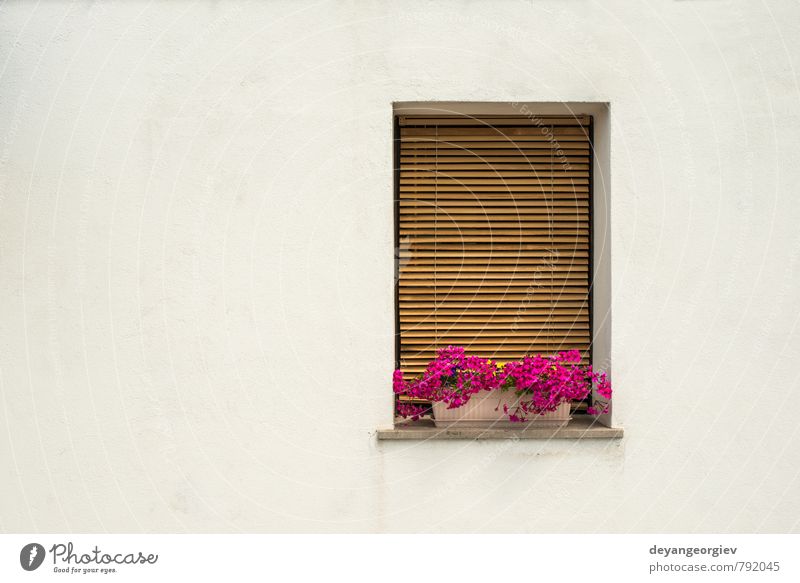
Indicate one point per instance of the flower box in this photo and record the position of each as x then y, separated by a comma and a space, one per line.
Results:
474, 391
487, 410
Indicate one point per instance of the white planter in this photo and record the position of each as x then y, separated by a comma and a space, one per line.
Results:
485, 410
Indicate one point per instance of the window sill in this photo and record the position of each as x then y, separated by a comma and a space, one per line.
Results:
579, 427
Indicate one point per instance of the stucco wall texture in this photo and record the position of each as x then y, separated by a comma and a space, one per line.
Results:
196, 275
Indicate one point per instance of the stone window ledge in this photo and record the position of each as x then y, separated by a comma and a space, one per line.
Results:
579, 427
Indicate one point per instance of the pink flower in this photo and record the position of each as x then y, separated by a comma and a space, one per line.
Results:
397, 381
409, 410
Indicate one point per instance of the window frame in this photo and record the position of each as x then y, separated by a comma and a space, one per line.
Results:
599, 113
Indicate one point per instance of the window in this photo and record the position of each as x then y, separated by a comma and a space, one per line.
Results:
494, 219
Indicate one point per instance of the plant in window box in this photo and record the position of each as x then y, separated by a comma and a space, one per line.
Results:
470, 391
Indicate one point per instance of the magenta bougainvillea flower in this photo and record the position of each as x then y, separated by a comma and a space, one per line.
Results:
540, 383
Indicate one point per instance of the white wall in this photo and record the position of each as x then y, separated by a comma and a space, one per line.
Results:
196, 301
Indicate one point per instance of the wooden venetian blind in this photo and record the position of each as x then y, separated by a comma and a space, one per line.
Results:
494, 235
